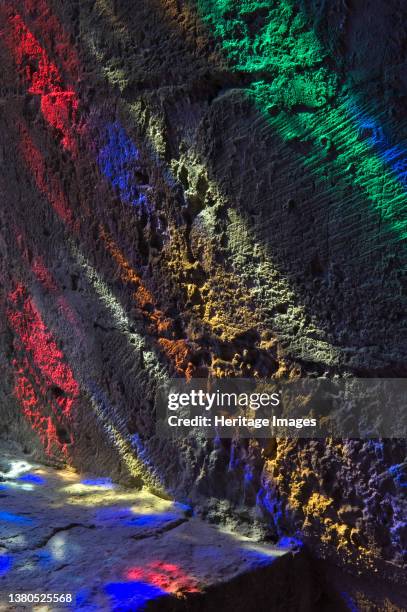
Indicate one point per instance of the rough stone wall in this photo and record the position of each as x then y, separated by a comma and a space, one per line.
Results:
206, 188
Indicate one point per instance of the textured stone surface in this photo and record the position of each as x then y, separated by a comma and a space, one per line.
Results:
206, 188
113, 548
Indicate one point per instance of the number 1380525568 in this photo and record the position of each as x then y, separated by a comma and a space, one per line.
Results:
29, 598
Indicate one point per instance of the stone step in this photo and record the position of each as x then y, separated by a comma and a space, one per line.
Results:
113, 548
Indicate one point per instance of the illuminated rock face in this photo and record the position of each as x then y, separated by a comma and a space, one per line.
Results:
206, 187
105, 547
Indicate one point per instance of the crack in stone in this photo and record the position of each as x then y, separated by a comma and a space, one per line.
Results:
142, 536
61, 567
68, 527
10, 548
164, 529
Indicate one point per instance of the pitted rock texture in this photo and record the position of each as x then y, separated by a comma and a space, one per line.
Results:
112, 548
206, 189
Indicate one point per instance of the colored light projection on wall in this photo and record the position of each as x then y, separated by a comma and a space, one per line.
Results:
243, 242
114, 426
297, 501
43, 275
298, 97
52, 33
48, 183
59, 105
399, 474
117, 155
44, 384
116, 166
299, 123
108, 417
370, 130
134, 456
117, 159
177, 351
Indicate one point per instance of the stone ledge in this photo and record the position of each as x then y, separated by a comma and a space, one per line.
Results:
120, 549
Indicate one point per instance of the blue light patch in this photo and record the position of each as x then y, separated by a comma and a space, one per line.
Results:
290, 542
132, 596
352, 607
113, 515
118, 161
258, 558
184, 507
32, 479
141, 450
8, 517
44, 558
83, 600
105, 483
6, 563
248, 474
125, 516
263, 500
151, 520
392, 155
399, 473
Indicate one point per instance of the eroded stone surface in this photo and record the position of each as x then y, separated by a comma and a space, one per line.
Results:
114, 548
214, 188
